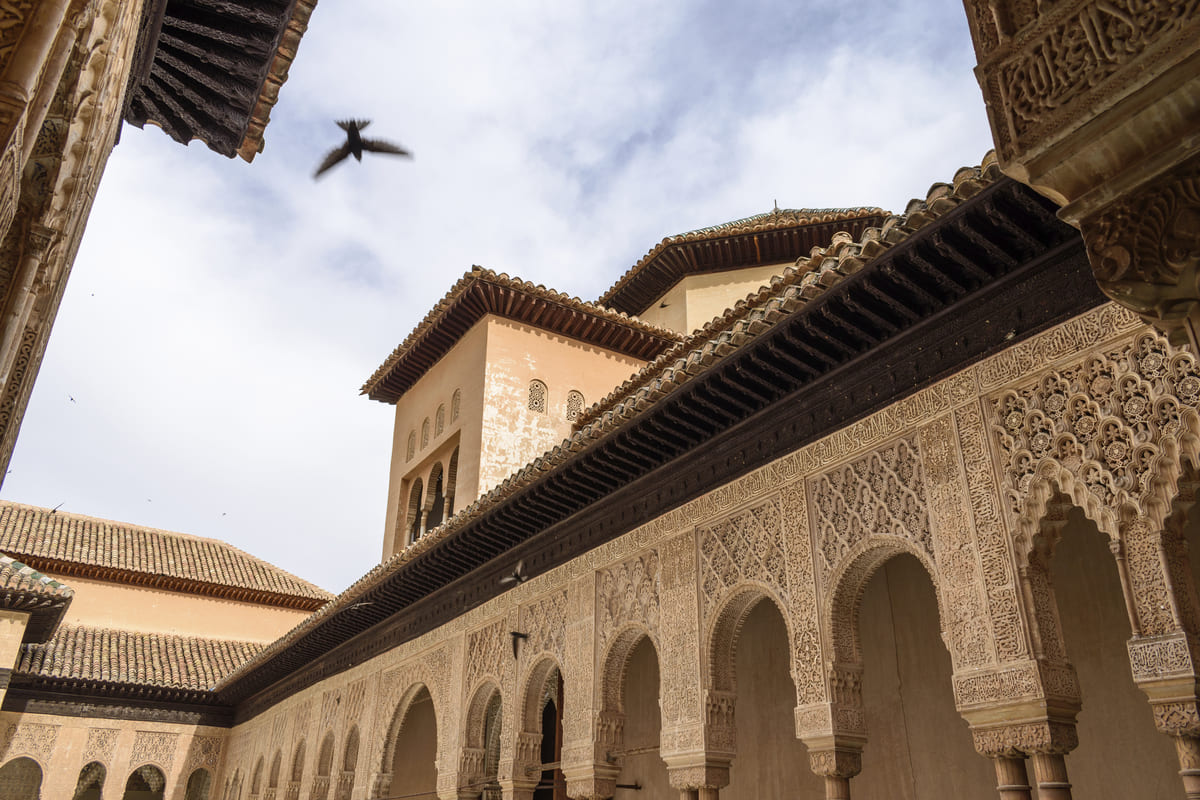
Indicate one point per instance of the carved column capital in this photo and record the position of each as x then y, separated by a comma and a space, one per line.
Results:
836, 762
710, 774
1145, 250
1055, 737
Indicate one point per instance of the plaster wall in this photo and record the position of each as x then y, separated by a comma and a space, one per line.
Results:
517, 354
461, 369
696, 299
63, 745
101, 604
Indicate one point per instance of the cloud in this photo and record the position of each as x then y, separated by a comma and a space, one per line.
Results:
221, 317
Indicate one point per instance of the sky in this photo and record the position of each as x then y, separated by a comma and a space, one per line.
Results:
203, 373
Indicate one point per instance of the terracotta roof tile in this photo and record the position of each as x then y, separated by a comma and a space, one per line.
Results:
17, 577
482, 291
134, 657
73, 544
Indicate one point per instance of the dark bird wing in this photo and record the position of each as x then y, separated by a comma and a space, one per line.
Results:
358, 124
380, 146
335, 155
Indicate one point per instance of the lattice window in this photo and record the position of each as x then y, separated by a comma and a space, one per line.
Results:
412, 446
574, 405
439, 421
455, 404
425, 433
537, 397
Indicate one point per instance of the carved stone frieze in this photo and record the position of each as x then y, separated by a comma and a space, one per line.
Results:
545, 621
1177, 718
746, 546
1157, 658
487, 651
839, 762
881, 494
203, 751
628, 592
31, 739
100, 744
154, 747
801, 595
1009, 684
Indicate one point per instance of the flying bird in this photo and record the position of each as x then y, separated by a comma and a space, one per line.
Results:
355, 145
518, 574
517, 636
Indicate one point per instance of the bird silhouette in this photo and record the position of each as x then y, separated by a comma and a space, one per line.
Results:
355, 144
517, 576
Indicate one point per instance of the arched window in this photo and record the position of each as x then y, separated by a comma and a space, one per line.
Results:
298, 765
349, 761
455, 404
412, 446
273, 777
320, 787
439, 421
91, 782
413, 520
425, 433
147, 782
256, 780
574, 405
198, 785
451, 480
537, 396
435, 498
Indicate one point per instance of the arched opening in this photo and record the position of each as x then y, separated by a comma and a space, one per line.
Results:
492, 723
349, 765
425, 433
256, 780
273, 776
297, 770
451, 481
320, 787
574, 405
411, 450
439, 421
1120, 753
543, 717
198, 785
918, 745
90, 784
436, 500
455, 404
413, 757
770, 760
413, 517
639, 756
147, 782
21, 779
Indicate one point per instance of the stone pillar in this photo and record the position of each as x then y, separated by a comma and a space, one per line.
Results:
1167, 669
1188, 750
21, 73
51, 78
1012, 778
21, 297
1045, 741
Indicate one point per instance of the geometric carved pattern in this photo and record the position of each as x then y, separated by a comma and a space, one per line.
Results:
546, 623
204, 751
487, 651
154, 747
100, 744
746, 546
879, 494
31, 739
627, 593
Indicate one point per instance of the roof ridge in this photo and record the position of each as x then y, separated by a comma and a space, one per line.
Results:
477, 275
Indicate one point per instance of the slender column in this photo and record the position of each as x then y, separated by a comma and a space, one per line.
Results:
48, 88
1012, 779
1051, 772
25, 64
689, 794
1188, 750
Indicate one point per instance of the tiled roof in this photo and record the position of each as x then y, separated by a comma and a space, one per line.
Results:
482, 291
22, 588
17, 577
808, 278
769, 238
72, 544
134, 658
749, 320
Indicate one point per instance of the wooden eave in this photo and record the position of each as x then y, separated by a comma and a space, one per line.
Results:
484, 294
173, 583
942, 315
212, 69
74, 697
671, 263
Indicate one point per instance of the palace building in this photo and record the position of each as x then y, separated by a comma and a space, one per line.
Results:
819, 503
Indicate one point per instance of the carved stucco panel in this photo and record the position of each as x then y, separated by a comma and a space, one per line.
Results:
807, 653
680, 652
628, 593
30, 739
154, 747
100, 745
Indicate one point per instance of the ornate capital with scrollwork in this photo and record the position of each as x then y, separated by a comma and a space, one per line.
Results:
836, 762
1145, 249
1048, 737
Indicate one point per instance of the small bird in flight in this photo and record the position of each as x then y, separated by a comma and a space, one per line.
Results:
356, 144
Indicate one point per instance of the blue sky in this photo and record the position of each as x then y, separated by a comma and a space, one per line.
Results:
221, 316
